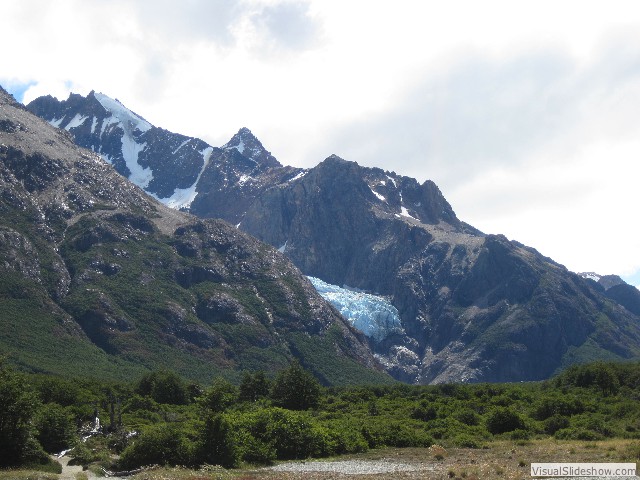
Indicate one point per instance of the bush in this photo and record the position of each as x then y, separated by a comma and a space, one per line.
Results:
254, 387
254, 450
392, 433
163, 444
344, 437
555, 405
468, 417
220, 396
56, 430
217, 444
502, 420
84, 455
296, 389
291, 434
424, 412
464, 440
164, 387
520, 434
577, 434
18, 405
555, 423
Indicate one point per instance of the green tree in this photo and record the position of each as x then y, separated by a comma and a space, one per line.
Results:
503, 419
165, 444
56, 430
218, 445
220, 396
606, 379
18, 405
163, 386
254, 386
296, 389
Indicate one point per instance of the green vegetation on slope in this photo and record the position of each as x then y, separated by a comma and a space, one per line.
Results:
291, 416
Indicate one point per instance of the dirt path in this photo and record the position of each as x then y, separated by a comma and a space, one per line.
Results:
69, 471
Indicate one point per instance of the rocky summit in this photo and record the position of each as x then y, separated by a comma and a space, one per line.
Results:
99, 279
472, 307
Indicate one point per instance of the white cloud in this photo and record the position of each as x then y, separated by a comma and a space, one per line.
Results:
524, 113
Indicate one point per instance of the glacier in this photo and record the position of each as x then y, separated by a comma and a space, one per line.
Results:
373, 315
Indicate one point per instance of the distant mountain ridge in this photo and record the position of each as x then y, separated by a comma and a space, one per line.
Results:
99, 279
473, 307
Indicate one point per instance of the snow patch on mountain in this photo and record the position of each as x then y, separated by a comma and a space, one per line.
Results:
590, 275
140, 175
380, 197
56, 121
123, 114
76, 122
392, 180
244, 178
239, 147
181, 145
183, 197
298, 176
371, 314
403, 210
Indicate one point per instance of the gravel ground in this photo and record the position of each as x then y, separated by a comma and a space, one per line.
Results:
352, 467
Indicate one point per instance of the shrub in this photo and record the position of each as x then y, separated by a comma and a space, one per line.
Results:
344, 437
254, 450
217, 445
296, 389
164, 387
520, 434
56, 430
577, 434
393, 433
292, 434
502, 420
464, 440
84, 455
424, 411
468, 417
220, 396
555, 423
556, 405
164, 444
17, 406
254, 387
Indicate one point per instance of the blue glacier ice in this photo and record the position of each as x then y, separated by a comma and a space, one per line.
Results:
372, 315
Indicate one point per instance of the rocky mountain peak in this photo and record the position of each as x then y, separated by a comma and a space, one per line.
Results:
104, 280
248, 145
472, 307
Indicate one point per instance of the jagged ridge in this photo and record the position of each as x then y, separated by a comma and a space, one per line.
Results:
474, 307
100, 279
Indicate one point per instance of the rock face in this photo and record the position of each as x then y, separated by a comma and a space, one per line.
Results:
98, 278
473, 307
182, 172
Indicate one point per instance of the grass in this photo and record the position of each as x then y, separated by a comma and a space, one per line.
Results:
499, 460
26, 475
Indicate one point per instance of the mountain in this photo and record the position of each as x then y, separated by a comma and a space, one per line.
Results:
182, 172
97, 278
616, 289
472, 307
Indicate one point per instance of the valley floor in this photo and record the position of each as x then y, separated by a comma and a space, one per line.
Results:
500, 460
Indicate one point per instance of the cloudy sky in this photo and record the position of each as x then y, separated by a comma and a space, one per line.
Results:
525, 113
